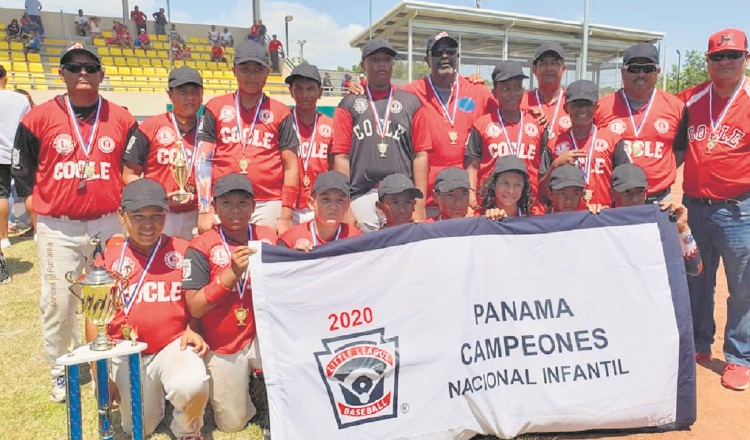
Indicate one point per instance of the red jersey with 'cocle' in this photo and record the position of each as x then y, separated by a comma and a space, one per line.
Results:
474, 101
605, 154
488, 141
273, 132
154, 148
207, 258
722, 171
158, 312
658, 131
52, 160
558, 120
302, 235
318, 155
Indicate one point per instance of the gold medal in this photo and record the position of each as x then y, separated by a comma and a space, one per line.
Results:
243, 165
306, 181
711, 144
453, 135
88, 171
190, 188
126, 329
638, 148
588, 195
382, 148
241, 315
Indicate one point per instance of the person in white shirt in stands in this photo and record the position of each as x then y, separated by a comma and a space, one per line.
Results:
227, 40
82, 24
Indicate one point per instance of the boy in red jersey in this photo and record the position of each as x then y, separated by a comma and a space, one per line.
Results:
155, 308
330, 201
217, 289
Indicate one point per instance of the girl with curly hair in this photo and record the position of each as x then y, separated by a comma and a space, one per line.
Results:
507, 191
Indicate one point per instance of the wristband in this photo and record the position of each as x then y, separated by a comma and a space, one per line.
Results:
688, 246
215, 292
289, 195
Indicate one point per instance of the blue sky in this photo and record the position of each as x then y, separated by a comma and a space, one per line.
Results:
327, 25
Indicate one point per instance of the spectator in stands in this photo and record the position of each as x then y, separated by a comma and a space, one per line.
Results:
143, 41
82, 24
27, 26
260, 37
227, 40
253, 31
34, 10
95, 29
139, 18
275, 49
123, 36
33, 45
346, 82
185, 52
327, 85
217, 53
13, 31
213, 35
160, 20
176, 50
173, 34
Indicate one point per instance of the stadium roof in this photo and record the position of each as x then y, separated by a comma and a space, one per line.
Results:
487, 36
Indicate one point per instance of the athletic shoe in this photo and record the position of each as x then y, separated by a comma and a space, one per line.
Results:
702, 358
5, 277
59, 393
736, 377
29, 233
4, 243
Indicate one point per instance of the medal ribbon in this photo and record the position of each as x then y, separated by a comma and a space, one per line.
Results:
315, 234
86, 146
305, 155
241, 285
382, 124
129, 300
513, 150
188, 159
714, 125
637, 128
450, 115
587, 169
240, 126
557, 108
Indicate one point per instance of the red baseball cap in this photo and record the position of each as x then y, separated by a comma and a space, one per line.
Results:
727, 39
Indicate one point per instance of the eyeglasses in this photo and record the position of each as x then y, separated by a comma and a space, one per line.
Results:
645, 68
77, 67
730, 54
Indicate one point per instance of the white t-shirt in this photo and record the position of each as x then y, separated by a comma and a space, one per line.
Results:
226, 36
81, 19
33, 7
213, 35
15, 106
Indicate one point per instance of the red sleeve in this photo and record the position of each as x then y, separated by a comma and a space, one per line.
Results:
342, 131
420, 131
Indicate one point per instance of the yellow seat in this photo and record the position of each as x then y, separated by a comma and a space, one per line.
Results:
4, 55
119, 89
108, 61
115, 82
191, 64
124, 71
16, 45
115, 51
20, 66
163, 54
207, 74
136, 71
157, 62
41, 87
229, 50
99, 42
150, 72
128, 53
201, 65
4, 45
119, 61
212, 65
111, 71
161, 72
34, 58
162, 38
177, 63
17, 56
228, 74
2, 26
132, 62
36, 67
107, 34
194, 40
134, 89
103, 51
144, 62
151, 54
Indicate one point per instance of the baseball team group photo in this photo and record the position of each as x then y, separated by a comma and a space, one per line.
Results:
469, 234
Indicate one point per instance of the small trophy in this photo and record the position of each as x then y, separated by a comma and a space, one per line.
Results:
180, 173
101, 296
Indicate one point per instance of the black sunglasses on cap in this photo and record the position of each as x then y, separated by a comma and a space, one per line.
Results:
730, 54
77, 67
637, 68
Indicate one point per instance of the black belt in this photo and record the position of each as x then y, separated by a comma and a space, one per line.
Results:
652, 198
718, 202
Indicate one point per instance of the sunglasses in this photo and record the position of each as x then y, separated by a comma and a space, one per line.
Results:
77, 67
637, 68
731, 54
438, 51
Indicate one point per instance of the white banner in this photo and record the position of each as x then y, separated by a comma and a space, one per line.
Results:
462, 327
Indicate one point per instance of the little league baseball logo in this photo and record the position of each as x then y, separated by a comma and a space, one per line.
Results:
173, 259
601, 145
219, 255
227, 114
166, 136
562, 148
63, 144
396, 107
617, 126
106, 144
128, 266
492, 131
360, 372
360, 105
661, 126
530, 130
266, 116
325, 130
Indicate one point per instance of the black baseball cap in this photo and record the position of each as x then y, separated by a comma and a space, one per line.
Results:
233, 182
184, 75
304, 70
141, 193
510, 163
547, 47
641, 50
377, 45
628, 176
566, 176
68, 52
582, 90
398, 183
251, 51
331, 180
451, 178
506, 70
443, 38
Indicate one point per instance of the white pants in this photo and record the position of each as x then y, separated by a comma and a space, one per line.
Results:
172, 374
369, 218
267, 213
302, 216
63, 246
230, 386
181, 224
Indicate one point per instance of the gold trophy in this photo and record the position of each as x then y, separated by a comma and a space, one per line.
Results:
180, 173
101, 296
